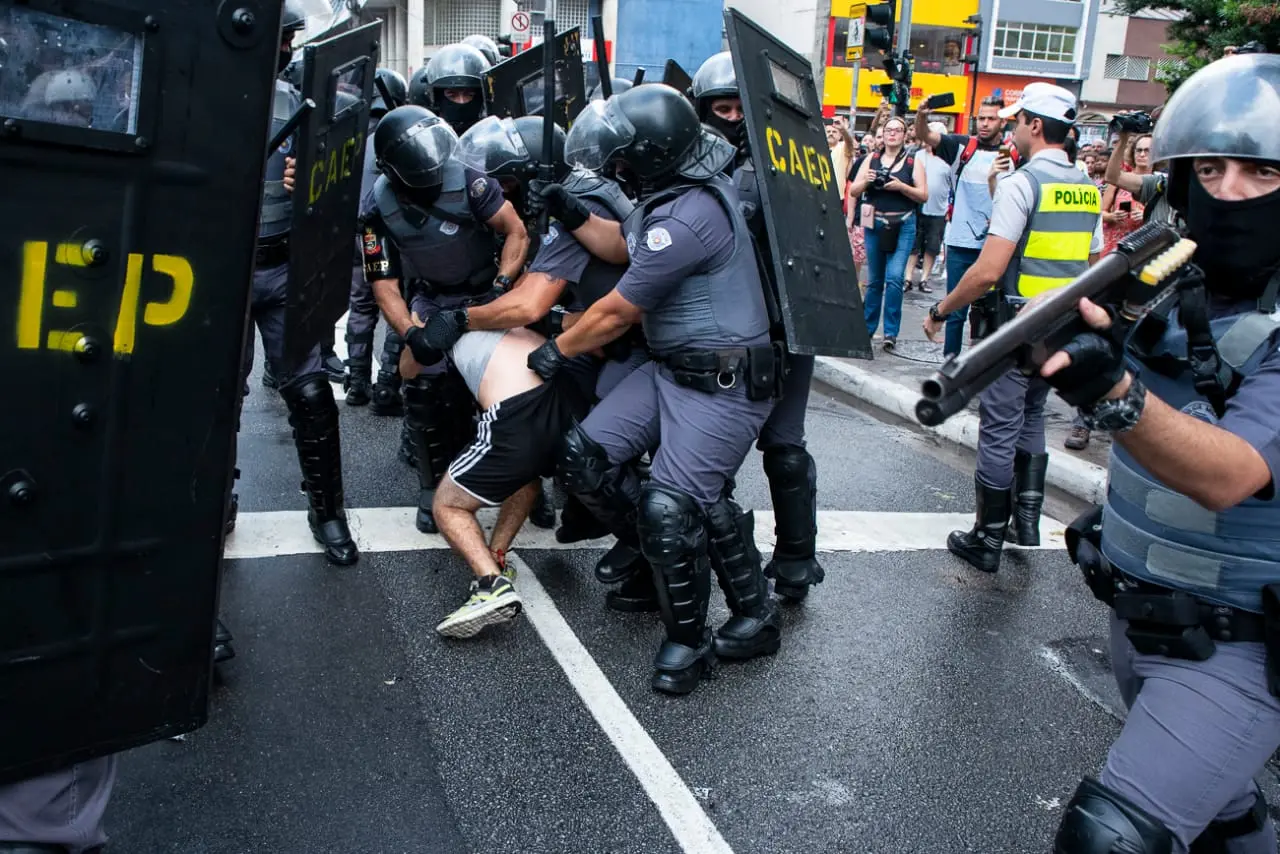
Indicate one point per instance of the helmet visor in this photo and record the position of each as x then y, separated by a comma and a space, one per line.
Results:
599, 132
492, 146
1226, 109
420, 154
709, 156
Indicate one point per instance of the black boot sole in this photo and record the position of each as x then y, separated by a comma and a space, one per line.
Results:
979, 560
338, 554
792, 593
680, 682
426, 525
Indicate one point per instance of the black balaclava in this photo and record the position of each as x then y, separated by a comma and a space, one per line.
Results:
286, 57
735, 132
460, 117
1236, 245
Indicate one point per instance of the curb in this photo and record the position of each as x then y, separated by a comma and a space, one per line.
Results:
1075, 476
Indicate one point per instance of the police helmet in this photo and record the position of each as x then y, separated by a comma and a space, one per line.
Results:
486, 46
620, 85
397, 88
1226, 109
294, 17
511, 148
419, 92
715, 79
458, 66
411, 147
653, 130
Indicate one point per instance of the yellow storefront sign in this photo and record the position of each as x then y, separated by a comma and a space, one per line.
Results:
837, 80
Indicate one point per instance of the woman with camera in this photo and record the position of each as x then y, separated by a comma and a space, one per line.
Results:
1123, 202
895, 185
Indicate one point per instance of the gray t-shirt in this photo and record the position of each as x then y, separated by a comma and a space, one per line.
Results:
471, 355
938, 175
1011, 206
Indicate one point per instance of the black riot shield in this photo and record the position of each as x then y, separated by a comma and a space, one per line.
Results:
337, 76
128, 265
675, 76
513, 88
812, 259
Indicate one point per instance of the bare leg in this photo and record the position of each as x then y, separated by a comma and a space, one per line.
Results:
455, 513
511, 518
910, 276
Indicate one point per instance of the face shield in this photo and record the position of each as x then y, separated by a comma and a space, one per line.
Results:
598, 134
417, 158
493, 146
322, 18
458, 66
710, 155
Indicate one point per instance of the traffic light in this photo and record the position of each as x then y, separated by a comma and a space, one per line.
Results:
879, 27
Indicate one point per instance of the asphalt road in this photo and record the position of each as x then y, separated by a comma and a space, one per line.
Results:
915, 705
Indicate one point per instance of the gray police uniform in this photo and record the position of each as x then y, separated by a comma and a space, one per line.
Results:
362, 314
1198, 731
791, 470
271, 275
693, 273
444, 258
63, 808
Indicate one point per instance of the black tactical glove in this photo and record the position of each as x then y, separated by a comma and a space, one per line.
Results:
1097, 364
558, 202
547, 360
444, 328
420, 346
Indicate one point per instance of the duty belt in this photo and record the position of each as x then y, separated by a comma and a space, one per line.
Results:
1163, 621
477, 285
759, 369
272, 251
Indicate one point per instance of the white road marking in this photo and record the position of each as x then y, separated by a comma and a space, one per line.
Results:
390, 529
676, 803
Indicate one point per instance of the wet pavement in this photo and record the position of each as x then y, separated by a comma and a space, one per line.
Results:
915, 705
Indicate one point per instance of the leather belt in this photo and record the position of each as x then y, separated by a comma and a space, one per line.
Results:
271, 253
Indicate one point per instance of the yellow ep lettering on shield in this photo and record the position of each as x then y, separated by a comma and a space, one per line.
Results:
805, 162
342, 162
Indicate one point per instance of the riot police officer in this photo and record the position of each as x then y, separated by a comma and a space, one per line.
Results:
362, 316
1185, 549
429, 243
791, 470
313, 413
563, 278
708, 388
454, 80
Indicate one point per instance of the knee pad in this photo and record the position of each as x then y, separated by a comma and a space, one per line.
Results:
790, 465
581, 463
308, 396
671, 525
1100, 821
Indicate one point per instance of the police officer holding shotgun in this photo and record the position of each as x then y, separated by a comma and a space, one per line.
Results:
1186, 550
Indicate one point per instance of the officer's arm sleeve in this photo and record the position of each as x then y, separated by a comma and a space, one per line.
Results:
1253, 414
381, 259
1011, 208
1096, 244
667, 252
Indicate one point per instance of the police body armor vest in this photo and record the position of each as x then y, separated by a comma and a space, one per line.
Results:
1054, 248
446, 247
599, 277
747, 183
1154, 534
276, 214
708, 309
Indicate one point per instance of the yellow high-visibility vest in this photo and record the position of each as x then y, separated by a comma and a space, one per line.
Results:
1054, 248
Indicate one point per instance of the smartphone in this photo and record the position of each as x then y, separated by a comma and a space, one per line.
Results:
1126, 206
936, 102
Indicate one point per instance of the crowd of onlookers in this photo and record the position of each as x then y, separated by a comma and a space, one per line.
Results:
916, 200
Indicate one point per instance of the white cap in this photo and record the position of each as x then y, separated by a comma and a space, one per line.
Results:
1045, 100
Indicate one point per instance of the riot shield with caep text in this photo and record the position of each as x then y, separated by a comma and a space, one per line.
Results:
812, 259
337, 77
127, 264
513, 88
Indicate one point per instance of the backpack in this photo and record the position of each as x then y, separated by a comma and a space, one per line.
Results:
965, 156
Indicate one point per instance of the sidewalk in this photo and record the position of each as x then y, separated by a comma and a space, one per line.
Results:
891, 381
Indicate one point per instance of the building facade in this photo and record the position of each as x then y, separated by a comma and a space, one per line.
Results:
1127, 64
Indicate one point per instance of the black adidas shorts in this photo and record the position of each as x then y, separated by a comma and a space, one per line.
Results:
516, 440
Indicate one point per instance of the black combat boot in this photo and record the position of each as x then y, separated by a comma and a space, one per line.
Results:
793, 486
386, 391
222, 648
673, 537
313, 414
334, 367
269, 376
358, 384
636, 595
1028, 497
753, 628
431, 442
981, 546
543, 514
577, 523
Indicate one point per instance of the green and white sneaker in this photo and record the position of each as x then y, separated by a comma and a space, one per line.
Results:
486, 605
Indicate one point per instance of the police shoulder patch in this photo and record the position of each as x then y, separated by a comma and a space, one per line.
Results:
631, 244
550, 236
370, 243
449, 228
1201, 410
478, 186
657, 239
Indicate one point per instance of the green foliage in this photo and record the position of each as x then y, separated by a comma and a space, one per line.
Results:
1208, 27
